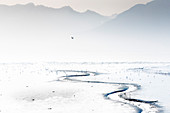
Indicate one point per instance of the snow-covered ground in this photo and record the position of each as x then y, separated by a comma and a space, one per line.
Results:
85, 87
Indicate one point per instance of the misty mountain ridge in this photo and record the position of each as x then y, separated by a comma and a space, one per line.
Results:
31, 17
141, 31
142, 19
41, 32
152, 17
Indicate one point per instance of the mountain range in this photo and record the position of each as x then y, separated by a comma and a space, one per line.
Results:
38, 18
149, 19
36, 31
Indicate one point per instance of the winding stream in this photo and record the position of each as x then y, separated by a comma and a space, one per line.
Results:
141, 106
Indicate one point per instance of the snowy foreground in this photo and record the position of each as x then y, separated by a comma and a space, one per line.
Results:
85, 88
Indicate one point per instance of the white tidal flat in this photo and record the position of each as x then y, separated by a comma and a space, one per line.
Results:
137, 87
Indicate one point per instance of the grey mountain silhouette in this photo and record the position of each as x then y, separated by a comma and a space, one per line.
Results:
39, 31
32, 18
141, 31
149, 18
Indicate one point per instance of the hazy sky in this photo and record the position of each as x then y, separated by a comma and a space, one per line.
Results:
104, 7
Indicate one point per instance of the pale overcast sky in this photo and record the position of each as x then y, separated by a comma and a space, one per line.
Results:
104, 7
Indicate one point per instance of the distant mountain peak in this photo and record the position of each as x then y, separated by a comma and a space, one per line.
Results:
67, 8
92, 12
30, 4
25, 5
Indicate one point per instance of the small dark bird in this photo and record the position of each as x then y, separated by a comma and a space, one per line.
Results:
49, 108
72, 37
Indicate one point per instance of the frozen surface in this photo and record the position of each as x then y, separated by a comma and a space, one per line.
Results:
85, 87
